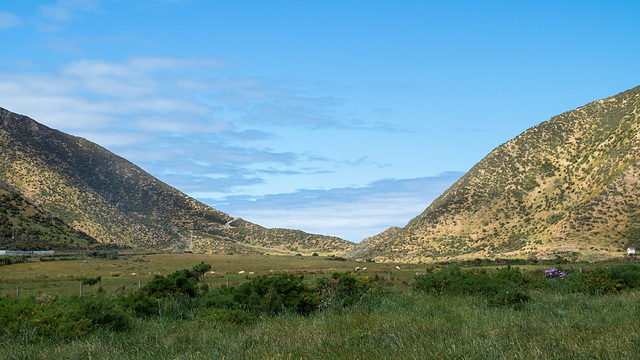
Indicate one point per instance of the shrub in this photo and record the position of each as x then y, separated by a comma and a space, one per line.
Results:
272, 295
178, 282
91, 281
503, 288
554, 273
628, 274
263, 295
599, 281
138, 303
512, 298
104, 313
60, 321
344, 289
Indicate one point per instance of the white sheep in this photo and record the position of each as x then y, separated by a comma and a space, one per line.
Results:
241, 272
364, 269
357, 268
397, 267
134, 274
251, 273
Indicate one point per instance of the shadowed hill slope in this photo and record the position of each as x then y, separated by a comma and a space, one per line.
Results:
114, 201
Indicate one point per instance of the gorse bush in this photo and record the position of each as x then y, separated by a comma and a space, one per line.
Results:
179, 282
265, 295
598, 281
58, 319
628, 274
345, 289
503, 288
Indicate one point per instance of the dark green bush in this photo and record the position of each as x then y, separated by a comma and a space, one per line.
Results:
264, 295
91, 281
513, 298
220, 298
138, 303
58, 319
179, 282
503, 288
597, 282
628, 274
104, 313
345, 289
272, 295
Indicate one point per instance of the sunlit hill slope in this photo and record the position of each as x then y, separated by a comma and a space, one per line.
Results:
568, 187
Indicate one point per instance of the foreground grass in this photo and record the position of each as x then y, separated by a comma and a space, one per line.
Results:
399, 325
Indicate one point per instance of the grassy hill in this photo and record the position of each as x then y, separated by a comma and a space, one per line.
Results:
567, 187
115, 202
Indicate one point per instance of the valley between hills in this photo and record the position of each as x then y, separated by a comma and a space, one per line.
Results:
567, 188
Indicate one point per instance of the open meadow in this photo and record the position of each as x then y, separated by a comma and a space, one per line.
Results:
280, 312
130, 270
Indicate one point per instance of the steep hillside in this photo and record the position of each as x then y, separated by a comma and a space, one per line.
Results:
24, 226
567, 187
114, 201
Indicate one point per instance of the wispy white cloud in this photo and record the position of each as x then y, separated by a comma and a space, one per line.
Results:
64, 10
352, 213
135, 109
8, 20
174, 118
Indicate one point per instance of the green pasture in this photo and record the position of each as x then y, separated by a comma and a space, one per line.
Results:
129, 271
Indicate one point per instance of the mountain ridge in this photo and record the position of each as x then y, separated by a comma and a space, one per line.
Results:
116, 202
566, 187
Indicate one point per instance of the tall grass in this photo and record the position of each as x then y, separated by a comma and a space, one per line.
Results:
400, 325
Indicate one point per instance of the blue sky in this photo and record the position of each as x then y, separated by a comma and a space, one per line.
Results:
335, 117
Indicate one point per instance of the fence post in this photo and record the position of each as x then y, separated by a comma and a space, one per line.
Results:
314, 277
139, 283
80, 288
227, 281
389, 276
17, 291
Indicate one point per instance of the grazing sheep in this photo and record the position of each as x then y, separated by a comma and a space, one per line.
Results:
241, 272
134, 274
357, 268
251, 273
364, 269
421, 273
213, 272
397, 267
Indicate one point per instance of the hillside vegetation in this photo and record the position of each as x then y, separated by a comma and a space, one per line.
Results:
24, 226
116, 202
567, 187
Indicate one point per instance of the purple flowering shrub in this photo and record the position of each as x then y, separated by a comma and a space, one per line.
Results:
554, 273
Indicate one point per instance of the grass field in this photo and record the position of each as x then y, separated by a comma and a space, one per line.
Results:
398, 323
64, 277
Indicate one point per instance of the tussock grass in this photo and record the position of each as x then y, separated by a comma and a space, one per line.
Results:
400, 325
